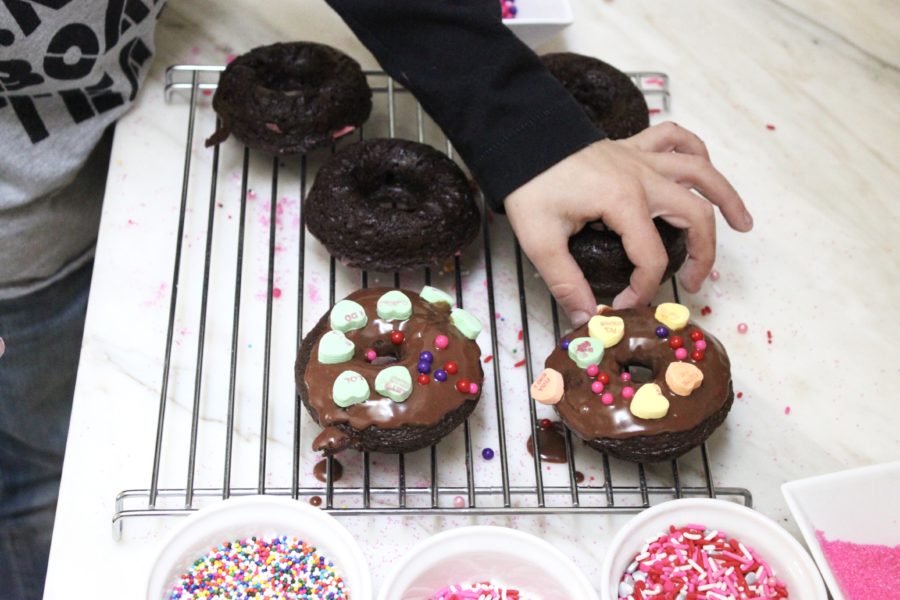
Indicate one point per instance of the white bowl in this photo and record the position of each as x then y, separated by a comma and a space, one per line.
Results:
539, 20
473, 554
787, 557
858, 505
260, 516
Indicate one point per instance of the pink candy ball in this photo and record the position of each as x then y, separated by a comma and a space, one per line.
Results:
714, 275
625, 376
592, 370
700, 345
607, 398
459, 502
742, 328
370, 355
473, 388
628, 392
681, 353
597, 387
441, 341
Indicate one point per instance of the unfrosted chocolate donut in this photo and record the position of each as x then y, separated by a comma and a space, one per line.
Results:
288, 98
615, 104
645, 348
606, 94
436, 403
391, 205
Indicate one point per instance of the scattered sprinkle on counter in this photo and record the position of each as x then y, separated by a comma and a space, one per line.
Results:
696, 563
255, 568
484, 590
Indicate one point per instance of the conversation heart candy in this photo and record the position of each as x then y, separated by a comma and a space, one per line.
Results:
434, 296
683, 378
608, 330
349, 388
548, 387
395, 383
348, 315
394, 305
467, 323
649, 403
672, 315
334, 348
585, 351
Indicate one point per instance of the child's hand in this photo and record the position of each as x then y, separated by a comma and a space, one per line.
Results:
625, 183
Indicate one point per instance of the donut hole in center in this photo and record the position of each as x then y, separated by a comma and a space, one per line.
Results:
639, 373
386, 352
391, 191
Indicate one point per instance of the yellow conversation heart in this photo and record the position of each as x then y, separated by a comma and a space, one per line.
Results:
672, 315
608, 330
649, 403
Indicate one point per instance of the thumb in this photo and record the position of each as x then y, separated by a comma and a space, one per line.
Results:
564, 278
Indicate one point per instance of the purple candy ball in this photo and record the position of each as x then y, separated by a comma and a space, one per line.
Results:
427, 356
440, 375
487, 454
662, 332
424, 366
564, 344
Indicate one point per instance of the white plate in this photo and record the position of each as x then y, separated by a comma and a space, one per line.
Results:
787, 557
539, 20
859, 505
472, 554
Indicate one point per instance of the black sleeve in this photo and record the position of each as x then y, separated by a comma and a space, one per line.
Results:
507, 116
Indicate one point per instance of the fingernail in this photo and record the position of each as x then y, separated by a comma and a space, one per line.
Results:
579, 318
748, 219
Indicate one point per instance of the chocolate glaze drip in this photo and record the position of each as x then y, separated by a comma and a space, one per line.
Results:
427, 404
321, 468
552, 442
589, 418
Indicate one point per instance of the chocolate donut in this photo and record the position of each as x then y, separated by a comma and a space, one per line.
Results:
641, 384
391, 205
390, 371
616, 105
289, 98
607, 95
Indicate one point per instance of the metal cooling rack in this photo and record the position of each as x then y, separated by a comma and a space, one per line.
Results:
499, 498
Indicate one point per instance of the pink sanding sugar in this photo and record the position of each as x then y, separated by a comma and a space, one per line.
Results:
864, 571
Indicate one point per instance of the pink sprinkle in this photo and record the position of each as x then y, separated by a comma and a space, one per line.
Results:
655, 81
276, 293
371, 355
459, 502
862, 570
206, 92
441, 341
714, 275
742, 328
592, 370
473, 388
597, 387
343, 131
787, 410
770, 127
681, 353
628, 392
625, 376
274, 127
607, 398
700, 345
654, 111
229, 58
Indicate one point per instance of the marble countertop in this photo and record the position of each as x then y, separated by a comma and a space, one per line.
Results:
797, 102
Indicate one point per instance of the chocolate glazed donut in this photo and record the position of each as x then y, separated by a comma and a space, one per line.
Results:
645, 351
391, 205
439, 399
289, 98
617, 106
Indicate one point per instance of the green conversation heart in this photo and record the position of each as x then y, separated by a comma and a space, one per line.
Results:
585, 351
350, 388
334, 348
348, 315
394, 305
394, 383
434, 295
466, 322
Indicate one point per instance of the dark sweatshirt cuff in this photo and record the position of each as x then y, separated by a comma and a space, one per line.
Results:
549, 135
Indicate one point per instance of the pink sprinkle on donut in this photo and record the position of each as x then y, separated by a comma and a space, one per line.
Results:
371, 355
625, 376
628, 392
473, 388
700, 345
681, 353
441, 341
592, 370
597, 387
607, 399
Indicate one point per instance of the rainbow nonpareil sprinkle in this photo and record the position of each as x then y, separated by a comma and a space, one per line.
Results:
255, 568
484, 590
696, 563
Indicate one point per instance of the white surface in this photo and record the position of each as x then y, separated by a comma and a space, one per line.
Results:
496, 554
260, 516
789, 561
819, 271
539, 20
857, 505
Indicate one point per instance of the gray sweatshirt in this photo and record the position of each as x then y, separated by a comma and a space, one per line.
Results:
68, 69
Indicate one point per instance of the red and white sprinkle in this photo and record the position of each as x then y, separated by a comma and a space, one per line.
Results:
484, 590
696, 563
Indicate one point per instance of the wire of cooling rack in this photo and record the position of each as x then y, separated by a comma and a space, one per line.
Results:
509, 499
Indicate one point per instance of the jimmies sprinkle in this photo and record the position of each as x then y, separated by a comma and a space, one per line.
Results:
255, 568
